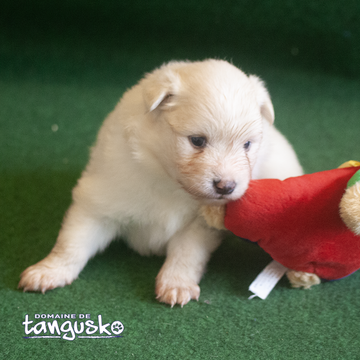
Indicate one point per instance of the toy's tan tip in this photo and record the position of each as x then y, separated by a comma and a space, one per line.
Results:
350, 208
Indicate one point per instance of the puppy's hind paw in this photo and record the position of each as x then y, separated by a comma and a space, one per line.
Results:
302, 279
177, 295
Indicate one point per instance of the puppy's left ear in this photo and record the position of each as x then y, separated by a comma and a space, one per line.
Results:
160, 89
263, 99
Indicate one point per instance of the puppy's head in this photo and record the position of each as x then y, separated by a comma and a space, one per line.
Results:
205, 126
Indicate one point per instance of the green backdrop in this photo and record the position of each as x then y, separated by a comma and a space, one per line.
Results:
63, 66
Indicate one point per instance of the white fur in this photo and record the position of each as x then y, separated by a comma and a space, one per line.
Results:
145, 181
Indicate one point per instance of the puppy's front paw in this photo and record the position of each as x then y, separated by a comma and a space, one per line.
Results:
176, 292
214, 216
302, 279
44, 276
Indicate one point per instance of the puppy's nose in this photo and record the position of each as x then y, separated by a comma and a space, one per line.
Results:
224, 187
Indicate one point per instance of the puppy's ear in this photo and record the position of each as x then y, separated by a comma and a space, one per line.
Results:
160, 89
263, 99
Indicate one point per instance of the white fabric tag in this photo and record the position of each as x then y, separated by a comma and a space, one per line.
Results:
267, 279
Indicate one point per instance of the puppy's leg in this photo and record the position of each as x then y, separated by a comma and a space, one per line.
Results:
80, 238
302, 279
187, 254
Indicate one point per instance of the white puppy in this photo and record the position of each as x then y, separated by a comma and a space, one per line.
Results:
188, 134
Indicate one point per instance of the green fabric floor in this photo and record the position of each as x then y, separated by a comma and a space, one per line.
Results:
63, 67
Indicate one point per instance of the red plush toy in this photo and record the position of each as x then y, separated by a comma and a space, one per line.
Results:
300, 222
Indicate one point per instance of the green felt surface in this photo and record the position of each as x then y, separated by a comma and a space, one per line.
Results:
63, 67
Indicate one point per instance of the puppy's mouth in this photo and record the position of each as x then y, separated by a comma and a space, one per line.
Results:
216, 200
212, 198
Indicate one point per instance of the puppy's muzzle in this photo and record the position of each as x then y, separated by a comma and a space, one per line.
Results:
224, 187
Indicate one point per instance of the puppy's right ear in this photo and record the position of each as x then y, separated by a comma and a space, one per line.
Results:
160, 89
263, 99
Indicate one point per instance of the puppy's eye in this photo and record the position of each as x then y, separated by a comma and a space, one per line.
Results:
198, 141
247, 145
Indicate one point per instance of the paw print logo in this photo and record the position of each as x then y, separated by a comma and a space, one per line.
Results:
117, 327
